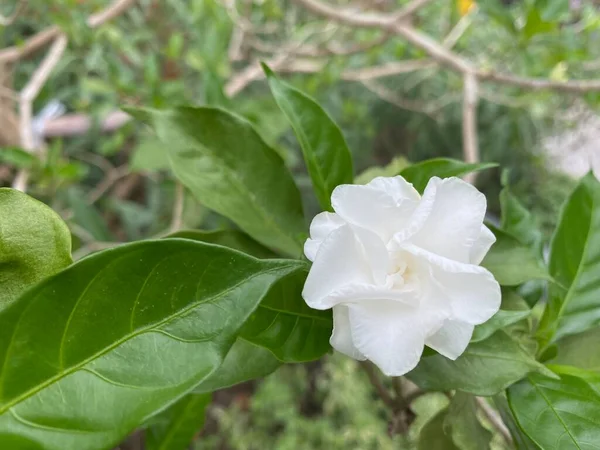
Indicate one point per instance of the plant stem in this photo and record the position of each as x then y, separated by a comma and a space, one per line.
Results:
377, 384
495, 419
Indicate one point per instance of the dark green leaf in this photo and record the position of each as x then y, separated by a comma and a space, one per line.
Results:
34, 243
499, 321
175, 428
575, 264
557, 413
221, 159
520, 439
228, 238
92, 352
326, 154
419, 174
511, 262
244, 362
464, 426
285, 325
485, 368
433, 435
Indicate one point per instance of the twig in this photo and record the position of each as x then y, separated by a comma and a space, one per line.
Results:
459, 29
410, 9
177, 219
78, 124
388, 69
469, 122
494, 419
376, 382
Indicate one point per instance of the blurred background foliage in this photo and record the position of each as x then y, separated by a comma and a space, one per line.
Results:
116, 186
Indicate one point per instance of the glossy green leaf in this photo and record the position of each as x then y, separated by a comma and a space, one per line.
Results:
244, 362
485, 368
325, 151
575, 264
520, 440
433, 435
285, 325
557, 413
228, 238
223, 161
576, 350
92, 352
175, 428
419, 173
499, 321
511, 262
464, 426
34, 243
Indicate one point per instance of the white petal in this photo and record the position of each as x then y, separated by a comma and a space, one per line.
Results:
379, 206
396, 187
452, 339
472, 292
454, 222
342, 261
341, 338
320, 227
482, 245
390, 334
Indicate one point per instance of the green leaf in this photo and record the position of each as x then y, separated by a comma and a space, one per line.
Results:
575, 264
393, 168
419, 174
433, 435
92, 352
221, 159
285, 325
511, 262
228, 238
244, 362
150, 155
519, 222
485, 368
175, 428
520, 439
464, 426
34, 243
576, 350
325, 151
18, 158
534, 24
557, 413
87, 216
499, 321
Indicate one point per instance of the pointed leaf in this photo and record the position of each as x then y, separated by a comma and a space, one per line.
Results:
499, 321
325, 151
419, 174
575, 264
34, 243
485, 368
223, 161
228, 238
557, 413
89, 354
175, 428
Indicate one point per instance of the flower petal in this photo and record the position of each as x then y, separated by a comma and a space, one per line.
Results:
482, 245
452, 339
380, 206
341, 338
454, 220
391, 334
342, 261
473, 293
320, 227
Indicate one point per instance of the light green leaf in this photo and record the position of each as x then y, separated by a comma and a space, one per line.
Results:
244, 362
92, 352
175, 428
34, 243
433, 435
511, 262
576, 350
575, 264
285, 325
419, 173
393, 168
499, 321
325, 151
229, 238
18, 158
464, 426
150, 155
485, 368
557, 413
520, 440
222, 160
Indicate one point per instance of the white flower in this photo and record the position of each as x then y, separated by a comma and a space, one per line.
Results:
402, 271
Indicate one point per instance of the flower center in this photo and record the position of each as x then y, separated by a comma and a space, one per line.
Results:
398, 274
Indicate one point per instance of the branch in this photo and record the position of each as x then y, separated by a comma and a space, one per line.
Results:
78, 124
44, 37
388, 69
376, 382
469, 122
494, 419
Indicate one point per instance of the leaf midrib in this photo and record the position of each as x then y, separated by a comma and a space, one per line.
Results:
149, 328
